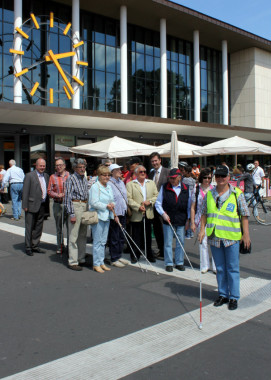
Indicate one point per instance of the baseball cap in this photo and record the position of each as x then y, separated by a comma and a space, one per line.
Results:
173, 173
183, 163
194, 165
114, 166
222, 170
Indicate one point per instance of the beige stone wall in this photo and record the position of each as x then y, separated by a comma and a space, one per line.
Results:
251, 88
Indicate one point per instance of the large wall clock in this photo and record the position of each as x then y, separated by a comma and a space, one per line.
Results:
46, 56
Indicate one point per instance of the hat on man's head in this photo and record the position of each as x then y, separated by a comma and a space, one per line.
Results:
222, 170
183, 163
173, 173
135, 160
194, 165
114, 166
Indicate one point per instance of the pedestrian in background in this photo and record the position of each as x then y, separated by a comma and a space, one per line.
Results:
56, 189
75, 200
190, 182
198, 196
35, 203
15, 177
159, 175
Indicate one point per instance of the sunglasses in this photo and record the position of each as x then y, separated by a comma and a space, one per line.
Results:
207, 177
142, 171
220, 176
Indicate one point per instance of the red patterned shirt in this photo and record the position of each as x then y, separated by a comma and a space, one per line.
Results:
56, 186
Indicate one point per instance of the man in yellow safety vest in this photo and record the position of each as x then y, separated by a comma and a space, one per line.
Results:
222, 209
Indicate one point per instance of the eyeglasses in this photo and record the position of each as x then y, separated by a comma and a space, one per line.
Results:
59, 165
106, 175
220, 176
207, 177
142, 171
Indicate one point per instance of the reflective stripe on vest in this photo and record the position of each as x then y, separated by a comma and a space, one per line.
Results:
224, 223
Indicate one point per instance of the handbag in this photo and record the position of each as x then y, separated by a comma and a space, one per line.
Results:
89, 217
242, 248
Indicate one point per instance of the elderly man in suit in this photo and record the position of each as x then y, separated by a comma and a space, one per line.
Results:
159, 175
141, 194
35, 204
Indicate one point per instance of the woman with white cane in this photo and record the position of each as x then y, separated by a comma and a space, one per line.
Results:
173, 203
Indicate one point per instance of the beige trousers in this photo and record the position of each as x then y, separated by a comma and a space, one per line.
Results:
78, 236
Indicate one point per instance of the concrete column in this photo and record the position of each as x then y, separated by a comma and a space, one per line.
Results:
225, 82
17, 91
76, 39
196, 76
123, 60
163, 71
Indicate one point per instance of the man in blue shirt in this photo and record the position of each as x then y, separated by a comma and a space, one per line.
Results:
173, 204
15, 177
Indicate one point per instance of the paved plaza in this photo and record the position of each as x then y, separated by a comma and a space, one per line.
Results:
128, 323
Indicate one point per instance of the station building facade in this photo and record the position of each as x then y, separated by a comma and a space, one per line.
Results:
137, 69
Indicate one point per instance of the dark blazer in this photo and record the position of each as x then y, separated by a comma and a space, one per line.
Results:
32, 194
162, 178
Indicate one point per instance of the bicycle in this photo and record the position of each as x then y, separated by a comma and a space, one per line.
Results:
261, 209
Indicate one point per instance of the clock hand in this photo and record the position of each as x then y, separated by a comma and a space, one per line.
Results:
61, 55
52, 56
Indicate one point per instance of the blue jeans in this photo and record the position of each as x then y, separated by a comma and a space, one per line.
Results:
227, 269
247, 197
168, 237
99, 234
16, 192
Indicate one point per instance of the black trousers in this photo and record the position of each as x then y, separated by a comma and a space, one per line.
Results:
138, 237
116, 238
33, 227
158, 231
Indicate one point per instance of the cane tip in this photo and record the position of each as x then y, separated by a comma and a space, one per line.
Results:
200, 327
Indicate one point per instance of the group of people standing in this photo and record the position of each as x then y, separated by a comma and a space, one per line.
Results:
172, 201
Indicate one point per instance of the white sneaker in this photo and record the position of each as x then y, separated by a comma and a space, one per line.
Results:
204, 270
123, 261
117, 264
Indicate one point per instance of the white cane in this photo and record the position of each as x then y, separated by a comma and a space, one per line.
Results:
144, 226
200, 288
183, 249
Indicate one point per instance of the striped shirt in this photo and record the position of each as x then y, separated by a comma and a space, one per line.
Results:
56, 185
76, 188
242, 207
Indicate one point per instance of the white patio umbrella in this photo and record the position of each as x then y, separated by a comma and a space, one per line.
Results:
174, 158
184, 149
233, 145
115, 147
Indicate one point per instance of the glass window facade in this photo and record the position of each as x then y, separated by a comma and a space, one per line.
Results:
101, 91
143, 72
180, 79
211, 85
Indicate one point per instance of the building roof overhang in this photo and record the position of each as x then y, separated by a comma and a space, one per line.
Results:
181, 22
45, 120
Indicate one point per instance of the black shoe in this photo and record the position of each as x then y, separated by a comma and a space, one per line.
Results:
169, 268
134, 260
151, 259
77, 268
180, 267
29, 252
38, 250
220, 301
233, 304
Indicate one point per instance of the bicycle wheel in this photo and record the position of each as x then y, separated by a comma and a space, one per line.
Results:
263, 209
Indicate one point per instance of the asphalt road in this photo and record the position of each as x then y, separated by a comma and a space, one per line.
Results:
49, 312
